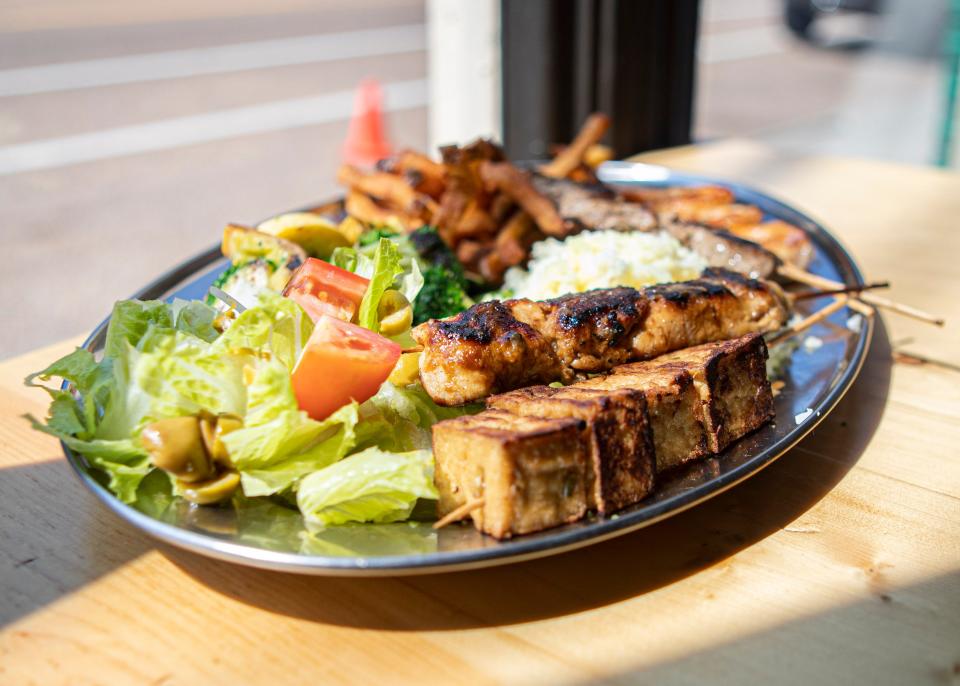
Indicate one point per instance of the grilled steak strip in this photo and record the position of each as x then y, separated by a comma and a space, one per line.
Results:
722, 249
593, 206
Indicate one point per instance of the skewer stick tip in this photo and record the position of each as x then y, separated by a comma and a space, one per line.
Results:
459, 513
807, 322
794, 273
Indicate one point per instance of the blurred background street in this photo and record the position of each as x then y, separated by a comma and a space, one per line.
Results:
131, 133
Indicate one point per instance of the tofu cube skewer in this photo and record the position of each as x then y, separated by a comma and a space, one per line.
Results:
731, 380
531, 472
675, 412
621, 452
544, 456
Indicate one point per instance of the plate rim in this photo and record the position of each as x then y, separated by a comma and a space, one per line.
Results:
520, 549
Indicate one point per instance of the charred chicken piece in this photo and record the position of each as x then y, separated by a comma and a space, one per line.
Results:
481, 351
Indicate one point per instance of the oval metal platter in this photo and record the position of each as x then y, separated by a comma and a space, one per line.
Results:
270, 536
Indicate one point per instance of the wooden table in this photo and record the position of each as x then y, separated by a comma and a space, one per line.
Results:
840, 563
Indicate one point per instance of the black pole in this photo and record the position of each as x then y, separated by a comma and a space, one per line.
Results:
632, 59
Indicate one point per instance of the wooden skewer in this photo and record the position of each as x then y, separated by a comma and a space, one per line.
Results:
807, 322
413, 349
459, 513
806, 295
801, 276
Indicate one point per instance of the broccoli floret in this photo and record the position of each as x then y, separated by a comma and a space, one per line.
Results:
433, 251
442, 295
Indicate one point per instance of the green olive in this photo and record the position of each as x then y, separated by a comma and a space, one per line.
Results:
395, 312
212, 491
406, 371
176, 445
213, 429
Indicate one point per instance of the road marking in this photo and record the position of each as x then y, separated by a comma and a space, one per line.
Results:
201, 128
743, 44
393, 40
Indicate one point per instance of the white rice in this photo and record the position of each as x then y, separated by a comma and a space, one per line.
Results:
602, 259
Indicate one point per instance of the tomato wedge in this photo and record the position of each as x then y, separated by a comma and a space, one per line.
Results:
321, 288
341, 362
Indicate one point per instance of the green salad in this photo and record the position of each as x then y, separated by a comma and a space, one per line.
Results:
293, 390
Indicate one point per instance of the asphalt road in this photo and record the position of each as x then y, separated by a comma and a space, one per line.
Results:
106, 185
130, 133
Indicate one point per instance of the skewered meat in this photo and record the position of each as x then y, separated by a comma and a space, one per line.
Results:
532, 473
482, 351
594, 207
658, 199
499, 346
788, 242
621, 452
724, 250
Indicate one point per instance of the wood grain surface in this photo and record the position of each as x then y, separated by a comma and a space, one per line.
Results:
840, 563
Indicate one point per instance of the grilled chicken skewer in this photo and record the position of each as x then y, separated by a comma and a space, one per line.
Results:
500, 346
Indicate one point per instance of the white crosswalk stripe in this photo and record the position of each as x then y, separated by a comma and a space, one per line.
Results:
201, 128
392, 40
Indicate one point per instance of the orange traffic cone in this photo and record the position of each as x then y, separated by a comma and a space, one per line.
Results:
366, 141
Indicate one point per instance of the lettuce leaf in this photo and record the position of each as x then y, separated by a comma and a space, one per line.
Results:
353, 260
411, 281
278, 326
194, 317
67, 414
370, 486
390, 262
132, 320
124, 462
279, 443
386, 268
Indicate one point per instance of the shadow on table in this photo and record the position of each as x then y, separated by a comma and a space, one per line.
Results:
71, 541
594, 576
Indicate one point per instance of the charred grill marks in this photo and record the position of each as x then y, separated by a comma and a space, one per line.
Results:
482, 323
683, 293
612, 310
